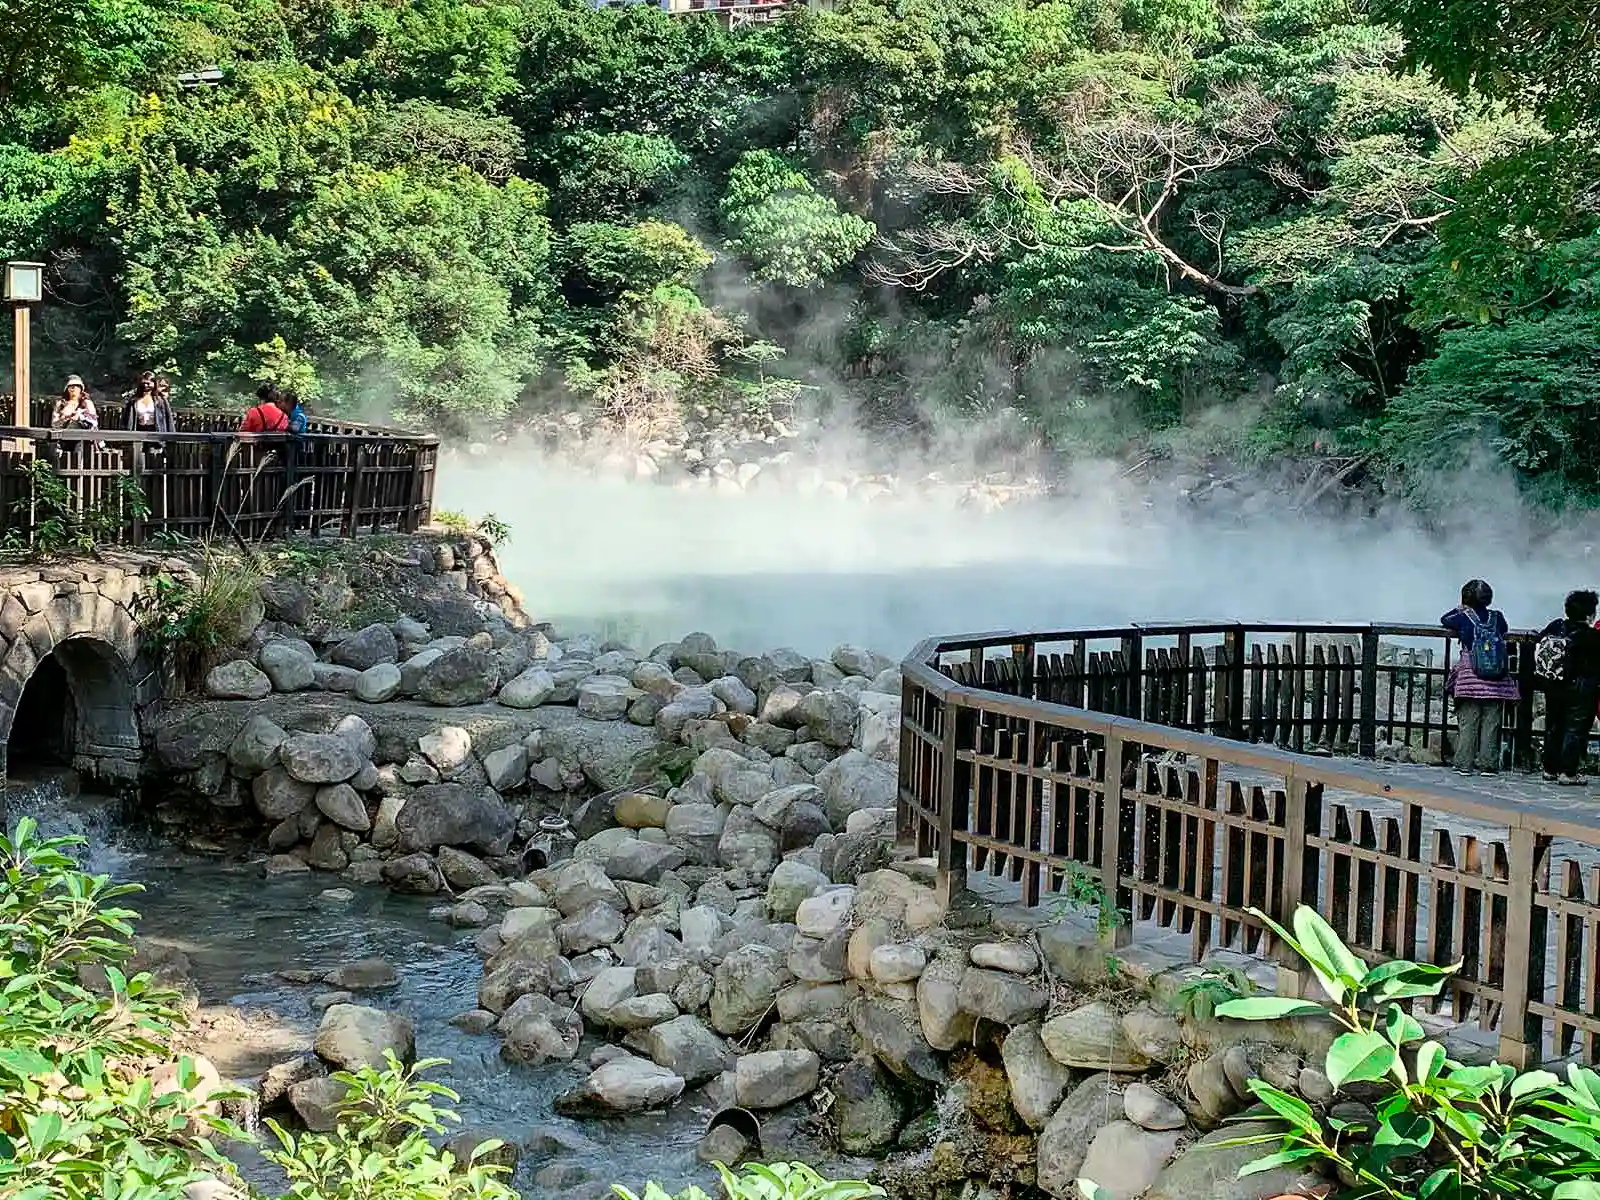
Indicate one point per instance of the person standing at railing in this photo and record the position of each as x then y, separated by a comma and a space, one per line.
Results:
75, 410
164, 399
147, 412
1568, 661
267, 416
1480, 682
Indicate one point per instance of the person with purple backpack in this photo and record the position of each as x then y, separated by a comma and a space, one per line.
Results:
1480, 682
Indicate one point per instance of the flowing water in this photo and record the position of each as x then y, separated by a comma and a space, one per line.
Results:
240, 931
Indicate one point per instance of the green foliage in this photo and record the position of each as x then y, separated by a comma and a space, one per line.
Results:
1438, 1130
80, 1118
1200, 997
1082, 889
782, 227
62, 523
381, 1149
192, 617
758, 1181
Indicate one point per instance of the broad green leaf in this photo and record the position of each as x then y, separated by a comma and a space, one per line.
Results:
1282, 1158
1292, 1109
1430, 1057
1337, 969
1434, 1182
1400, 1027
1267, 1008
1359, 1058
1566, 1134
1577, 1189
1533, 1081
1405, 1129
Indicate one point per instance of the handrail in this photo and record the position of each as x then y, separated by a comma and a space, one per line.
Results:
1172, 772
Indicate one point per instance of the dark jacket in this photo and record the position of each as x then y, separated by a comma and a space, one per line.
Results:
1583, 647
163, 417
1457, 623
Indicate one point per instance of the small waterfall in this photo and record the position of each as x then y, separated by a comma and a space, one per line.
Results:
54, 802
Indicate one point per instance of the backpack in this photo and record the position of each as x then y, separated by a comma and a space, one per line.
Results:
1490, 658
1550, 656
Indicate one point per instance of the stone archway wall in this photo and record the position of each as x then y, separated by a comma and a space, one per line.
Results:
82, 613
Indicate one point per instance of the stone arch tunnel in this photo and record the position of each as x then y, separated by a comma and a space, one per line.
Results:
76, 678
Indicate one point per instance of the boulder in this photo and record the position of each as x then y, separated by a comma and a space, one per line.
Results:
1064, 1141
1123, 1160
277, 795
378, 684
331, 677
641, 810
581, 885
507, 767
451, 814
529, 689
829, 717
288, 664
364, 975
463, 871
890, 1030
945, 1024
256, 747
366, 648
867, 1111
827, 913
464, 675
320, 757
606, 697
238, 680
852, 782
1090, 1038
317, 1102
1013, 957
1000, 997
412, 873
448, 748
1149, 1109
537, 1030
685, 1047
1153, 1034
644, 862
353, 1036
1210, 1168
773, 1078
746, 844
792, 883
623, 1085
744, 988
342, 805
1037, 1080
591, 929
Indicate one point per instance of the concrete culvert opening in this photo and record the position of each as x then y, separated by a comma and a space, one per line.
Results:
77, 709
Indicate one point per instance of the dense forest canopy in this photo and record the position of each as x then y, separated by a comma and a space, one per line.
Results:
1254, 227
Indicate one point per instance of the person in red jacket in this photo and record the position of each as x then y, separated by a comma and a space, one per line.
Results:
265, 416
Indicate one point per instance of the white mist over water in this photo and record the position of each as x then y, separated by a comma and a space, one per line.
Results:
648, 563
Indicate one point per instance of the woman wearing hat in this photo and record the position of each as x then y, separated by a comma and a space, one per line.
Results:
74, 410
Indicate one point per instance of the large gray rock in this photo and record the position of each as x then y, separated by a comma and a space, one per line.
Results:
317, 1103
644, 862
773, 1078
746, 844
342, 805
412, 873
448, 748
744, 988
277, 795
320, 757
507, 767
853, 782
1001, 998
581, 885
238, 680
463, 871
606, 697
353, 1036
256, 747
829, 717
529, 689
792, 882
592, 929
1210, 1168
890, 1030
609, 989
451, 814
331, 677
1149, 1109
1037, 1080
367, 648
288, 664
537, 1030
465, 675
685, 1047
1090, 1038
1064, 1141
867, 1111
623, 1085
1124, 1160
378, 684
945, 1024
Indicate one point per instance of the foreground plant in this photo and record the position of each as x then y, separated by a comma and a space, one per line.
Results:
1438, 1130
79, 1115
758, 1181
380, 1148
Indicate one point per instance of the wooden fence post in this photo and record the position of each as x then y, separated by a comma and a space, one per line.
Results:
1132, 684
1114, 764
136, 473
952, 859
1367, 734
904, 818
1293, 974
1233, 641
1022, 654
1521, 1032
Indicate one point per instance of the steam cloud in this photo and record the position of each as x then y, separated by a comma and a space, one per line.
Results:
646, 563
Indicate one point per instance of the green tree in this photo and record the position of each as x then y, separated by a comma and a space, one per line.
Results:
781, 225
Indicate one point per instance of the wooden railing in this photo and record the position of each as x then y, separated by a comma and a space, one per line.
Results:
206, 480
1034, 760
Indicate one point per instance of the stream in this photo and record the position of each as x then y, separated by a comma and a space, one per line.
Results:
240, 931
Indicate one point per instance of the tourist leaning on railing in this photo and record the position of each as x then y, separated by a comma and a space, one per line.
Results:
1480, 681
267, 415
1568, 658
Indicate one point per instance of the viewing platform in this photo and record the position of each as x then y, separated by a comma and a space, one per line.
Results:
1188, 773
340, 478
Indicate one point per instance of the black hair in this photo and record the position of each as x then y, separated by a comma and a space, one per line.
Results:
1475, 593
1581, 605
268, 391
287, 398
